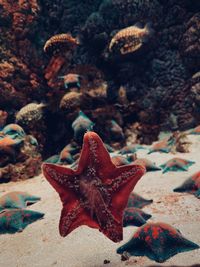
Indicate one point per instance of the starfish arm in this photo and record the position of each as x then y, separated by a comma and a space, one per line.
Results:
72, 218
95, 153
122, 185
60, 178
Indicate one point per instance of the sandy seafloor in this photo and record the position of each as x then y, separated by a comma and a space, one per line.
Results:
40, 245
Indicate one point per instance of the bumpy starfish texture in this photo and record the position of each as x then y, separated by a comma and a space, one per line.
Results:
95, 194
135, 217
191, 185
15, 220
176, 164
137, 201
17, 200
157, 241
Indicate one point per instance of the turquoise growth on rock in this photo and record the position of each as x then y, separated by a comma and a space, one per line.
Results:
135, 217
158, 242
81, 125
17, 200
53, 159
14, 131
15, 220
176, 164
137, 201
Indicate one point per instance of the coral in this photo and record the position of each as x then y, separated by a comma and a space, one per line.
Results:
3, 118
20, 157
29, 114
118, 12
190, 45
71, 101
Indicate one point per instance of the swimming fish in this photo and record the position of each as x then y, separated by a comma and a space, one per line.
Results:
130, 39
59, 42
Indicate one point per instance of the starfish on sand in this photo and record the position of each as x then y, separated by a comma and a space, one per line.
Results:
15, 220
96, 193
191, 185
135, 217
158, 242
176, 164
17, 200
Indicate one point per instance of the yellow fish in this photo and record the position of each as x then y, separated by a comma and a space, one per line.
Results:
130, 39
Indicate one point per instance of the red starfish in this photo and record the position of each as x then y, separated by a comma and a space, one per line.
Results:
95, 194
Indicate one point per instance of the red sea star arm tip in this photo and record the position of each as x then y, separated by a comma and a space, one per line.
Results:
94, 149
128, 176
51, 172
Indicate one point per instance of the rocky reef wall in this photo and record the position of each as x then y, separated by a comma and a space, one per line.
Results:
160, 82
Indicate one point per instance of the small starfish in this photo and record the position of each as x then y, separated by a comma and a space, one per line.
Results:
149, 165
17, 200
195, 131
135, 217
164, 146
95, 194
191, 185
137, 201
176, 164
131, 149
119, 160
158, 242
15, 220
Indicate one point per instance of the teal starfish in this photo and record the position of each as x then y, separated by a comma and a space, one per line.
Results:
15, 220
17, 200
158, 242
176, 164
